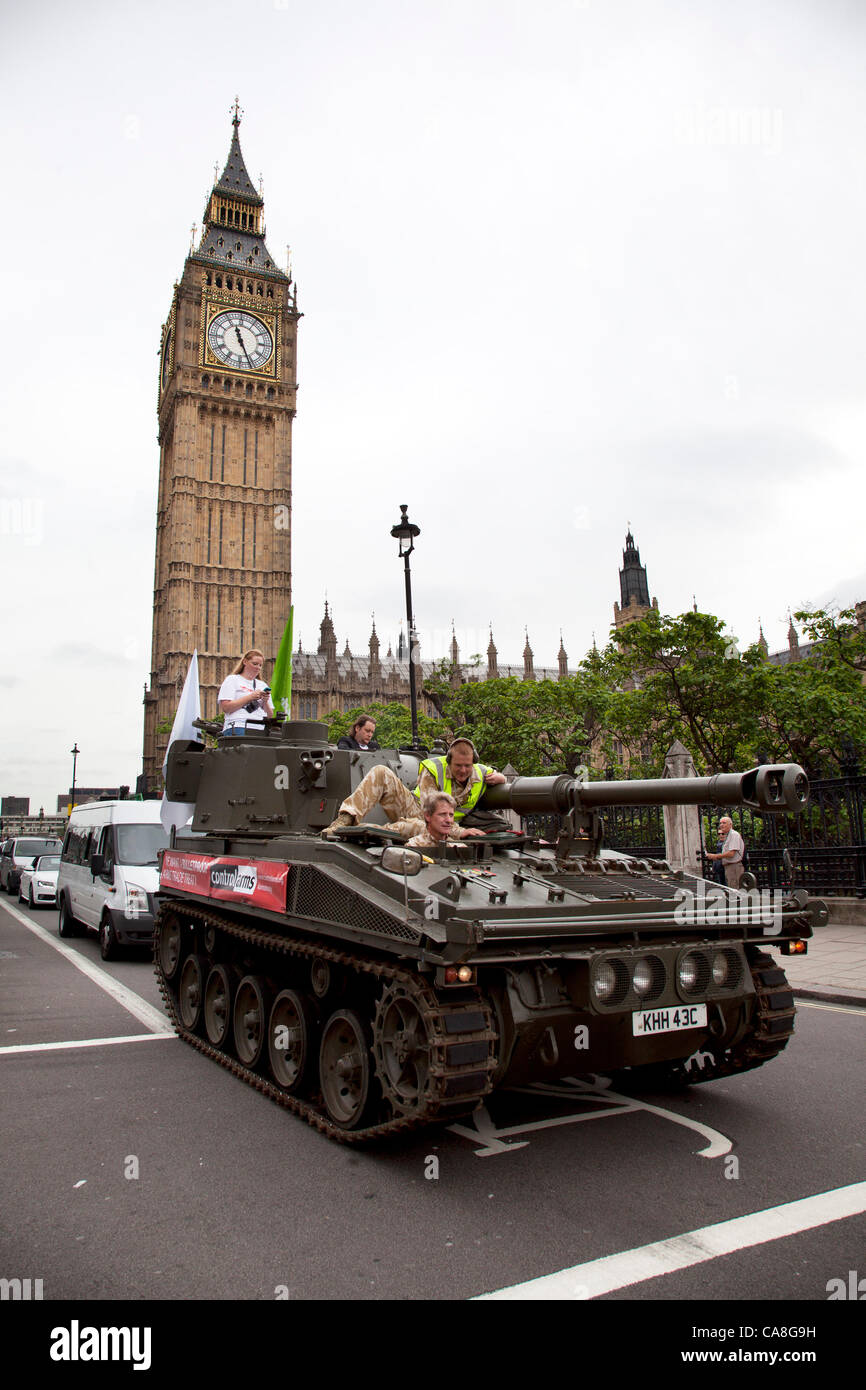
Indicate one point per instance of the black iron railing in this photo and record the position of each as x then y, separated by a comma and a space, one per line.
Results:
822, 850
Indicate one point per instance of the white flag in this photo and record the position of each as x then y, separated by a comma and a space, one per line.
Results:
177, 813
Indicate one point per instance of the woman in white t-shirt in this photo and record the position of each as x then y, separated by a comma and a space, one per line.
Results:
243, 696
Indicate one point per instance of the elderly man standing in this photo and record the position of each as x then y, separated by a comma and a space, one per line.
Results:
731, 853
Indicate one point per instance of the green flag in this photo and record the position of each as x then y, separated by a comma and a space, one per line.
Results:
281, 681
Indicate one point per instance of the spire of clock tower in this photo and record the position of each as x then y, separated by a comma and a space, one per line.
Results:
233, 229
235, 180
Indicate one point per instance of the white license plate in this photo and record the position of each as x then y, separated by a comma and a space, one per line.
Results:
669, 1020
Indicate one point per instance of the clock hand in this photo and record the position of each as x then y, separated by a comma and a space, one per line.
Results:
243, 347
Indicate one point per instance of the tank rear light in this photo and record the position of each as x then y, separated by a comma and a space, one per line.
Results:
794, 948
459, 975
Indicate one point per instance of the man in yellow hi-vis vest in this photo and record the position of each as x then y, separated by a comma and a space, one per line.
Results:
457, 773
462, 777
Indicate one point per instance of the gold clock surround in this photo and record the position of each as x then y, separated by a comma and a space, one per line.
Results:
211, 308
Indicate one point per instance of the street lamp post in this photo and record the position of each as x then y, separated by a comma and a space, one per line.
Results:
74, 750
405, 531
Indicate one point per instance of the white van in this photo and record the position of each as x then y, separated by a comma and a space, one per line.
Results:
109, 874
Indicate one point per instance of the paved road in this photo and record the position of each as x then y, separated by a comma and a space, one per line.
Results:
138, 1170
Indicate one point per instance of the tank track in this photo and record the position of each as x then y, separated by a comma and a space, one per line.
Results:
457, 1089
765, 1036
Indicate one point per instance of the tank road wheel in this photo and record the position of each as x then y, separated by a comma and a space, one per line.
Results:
401, 1046
169, 944
252, 1004
217, 1006
291, 1032
346, 1069
190, 992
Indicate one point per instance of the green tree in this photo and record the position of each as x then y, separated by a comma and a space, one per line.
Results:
813, 711
534, 725
393, 724
684, 678
659, 679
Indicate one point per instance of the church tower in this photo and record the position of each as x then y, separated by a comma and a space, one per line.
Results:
226, 401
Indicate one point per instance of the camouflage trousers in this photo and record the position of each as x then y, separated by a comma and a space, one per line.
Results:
382, 787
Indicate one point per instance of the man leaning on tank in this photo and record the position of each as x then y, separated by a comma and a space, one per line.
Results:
458, 774
438, 809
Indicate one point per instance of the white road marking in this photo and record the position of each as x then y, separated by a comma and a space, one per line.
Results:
152, 1018
87, 1042
498, 1141
831, 1008
611, 1272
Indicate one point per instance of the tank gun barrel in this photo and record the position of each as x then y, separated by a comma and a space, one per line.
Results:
774, 787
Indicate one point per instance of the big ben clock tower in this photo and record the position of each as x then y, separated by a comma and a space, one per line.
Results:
226, 403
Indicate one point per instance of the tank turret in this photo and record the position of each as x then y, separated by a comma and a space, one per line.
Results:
287, 778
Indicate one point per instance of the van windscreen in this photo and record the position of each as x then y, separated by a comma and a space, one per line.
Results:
138, 844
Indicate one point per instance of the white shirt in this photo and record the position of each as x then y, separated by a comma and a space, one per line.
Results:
232, 688
733, 841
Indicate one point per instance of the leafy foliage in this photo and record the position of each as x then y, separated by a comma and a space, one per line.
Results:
660, 679
683, 678
393, 724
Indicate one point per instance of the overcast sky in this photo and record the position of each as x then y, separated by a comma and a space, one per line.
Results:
563, 264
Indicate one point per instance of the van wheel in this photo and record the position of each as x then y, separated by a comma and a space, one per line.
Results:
67, 925
108, 947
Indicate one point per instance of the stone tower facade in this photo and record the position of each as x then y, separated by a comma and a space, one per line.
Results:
633, 587
226, 401
326, 680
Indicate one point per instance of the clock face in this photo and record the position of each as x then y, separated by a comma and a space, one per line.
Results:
240, 340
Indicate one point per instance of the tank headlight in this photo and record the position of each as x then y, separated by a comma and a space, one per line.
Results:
688, 971
605, 981
727, 968
610, 981
721, 969
648, 978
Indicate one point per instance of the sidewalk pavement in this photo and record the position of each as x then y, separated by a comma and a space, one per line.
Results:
834, 968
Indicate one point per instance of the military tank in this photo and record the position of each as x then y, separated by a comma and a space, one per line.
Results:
371, 988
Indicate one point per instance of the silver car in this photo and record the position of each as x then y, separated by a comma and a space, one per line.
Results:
19, 854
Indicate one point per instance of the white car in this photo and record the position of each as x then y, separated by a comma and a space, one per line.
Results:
38, 885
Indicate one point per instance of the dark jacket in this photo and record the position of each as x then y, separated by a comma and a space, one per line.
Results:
347, 742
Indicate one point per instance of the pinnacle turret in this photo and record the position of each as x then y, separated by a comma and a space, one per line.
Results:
492, 658
528, 661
